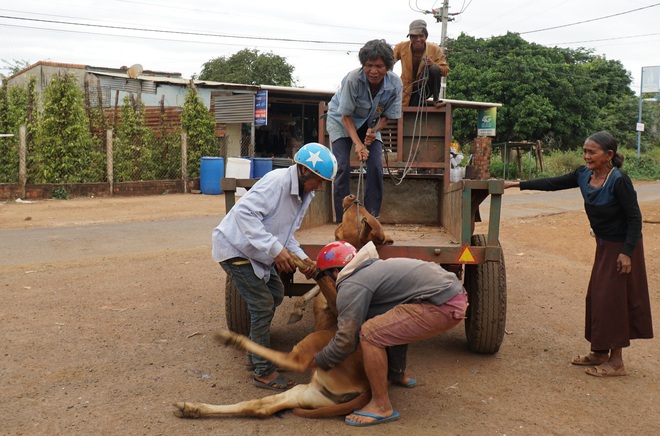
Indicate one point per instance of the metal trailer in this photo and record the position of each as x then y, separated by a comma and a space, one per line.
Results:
476, 258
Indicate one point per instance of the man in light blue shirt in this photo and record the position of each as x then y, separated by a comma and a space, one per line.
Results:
253, 241
368, 98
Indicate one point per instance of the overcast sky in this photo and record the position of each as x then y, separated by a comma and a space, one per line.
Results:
320, 39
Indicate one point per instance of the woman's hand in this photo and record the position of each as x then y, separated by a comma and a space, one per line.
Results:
623, 264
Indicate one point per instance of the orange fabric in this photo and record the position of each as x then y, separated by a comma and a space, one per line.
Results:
403, 53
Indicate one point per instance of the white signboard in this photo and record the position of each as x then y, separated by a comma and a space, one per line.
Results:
651, 79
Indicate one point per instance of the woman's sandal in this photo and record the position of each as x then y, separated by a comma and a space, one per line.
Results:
587, 360
606, 370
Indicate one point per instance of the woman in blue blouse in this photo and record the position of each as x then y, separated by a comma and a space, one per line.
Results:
617, 303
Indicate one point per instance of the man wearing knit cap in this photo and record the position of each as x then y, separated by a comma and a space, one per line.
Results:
422, 66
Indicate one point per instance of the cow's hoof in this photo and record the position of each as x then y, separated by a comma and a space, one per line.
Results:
295, 316
185, 410
225, 337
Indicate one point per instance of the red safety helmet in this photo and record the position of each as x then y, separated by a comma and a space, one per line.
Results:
335, 255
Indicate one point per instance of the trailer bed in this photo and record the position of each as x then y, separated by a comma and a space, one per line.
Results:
402, 234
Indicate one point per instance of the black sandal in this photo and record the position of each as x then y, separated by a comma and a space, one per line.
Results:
279, 383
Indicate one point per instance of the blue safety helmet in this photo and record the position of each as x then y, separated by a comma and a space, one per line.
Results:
319, 159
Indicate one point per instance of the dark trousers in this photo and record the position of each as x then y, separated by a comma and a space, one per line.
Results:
427, 86
373, 194
396, 362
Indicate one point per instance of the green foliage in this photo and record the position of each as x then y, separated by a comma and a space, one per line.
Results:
249, 67
13, 113
59, 193
558, 162
13, 66
648, 167
64, 149
546, 93
561, 162
199, 125
133, 145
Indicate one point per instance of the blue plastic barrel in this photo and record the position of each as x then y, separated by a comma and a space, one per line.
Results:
210, 173
260, 166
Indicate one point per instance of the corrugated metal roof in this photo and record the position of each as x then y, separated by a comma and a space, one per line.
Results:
128, 85
237, 108
221, 85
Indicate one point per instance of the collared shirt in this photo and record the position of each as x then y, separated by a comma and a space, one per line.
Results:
263, 221
354, 99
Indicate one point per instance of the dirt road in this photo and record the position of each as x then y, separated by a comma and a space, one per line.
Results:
105, 324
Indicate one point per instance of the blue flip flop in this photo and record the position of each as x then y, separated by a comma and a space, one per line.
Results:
378, 419
411, 383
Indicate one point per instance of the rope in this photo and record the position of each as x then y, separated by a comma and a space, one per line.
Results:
415, 141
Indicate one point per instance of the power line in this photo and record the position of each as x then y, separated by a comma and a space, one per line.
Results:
589, 21
168, 39
178, 32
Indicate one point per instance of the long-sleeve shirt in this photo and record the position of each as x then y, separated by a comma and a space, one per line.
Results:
354, 99
263, 221
376, 286
403, 52
612, 209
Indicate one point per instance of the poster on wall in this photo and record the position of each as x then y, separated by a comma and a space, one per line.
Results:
261, 108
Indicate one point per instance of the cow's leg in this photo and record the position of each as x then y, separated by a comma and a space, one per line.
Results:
297, 360
324, 319
329, 291
306, 396
300, 304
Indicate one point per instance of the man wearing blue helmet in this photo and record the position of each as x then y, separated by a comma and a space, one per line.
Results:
253, 241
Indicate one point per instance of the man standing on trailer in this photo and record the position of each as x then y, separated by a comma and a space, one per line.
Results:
368, 97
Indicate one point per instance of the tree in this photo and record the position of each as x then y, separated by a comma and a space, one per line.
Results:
13, 66
64, 149
545, 92
133, 144
249, 67
199, 124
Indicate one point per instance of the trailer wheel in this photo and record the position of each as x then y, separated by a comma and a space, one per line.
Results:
236, 309
486, 314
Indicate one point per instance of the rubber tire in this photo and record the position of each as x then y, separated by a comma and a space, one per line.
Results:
236, 309
486, 315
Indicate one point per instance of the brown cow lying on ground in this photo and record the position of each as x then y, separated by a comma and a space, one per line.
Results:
336, 392
358, 226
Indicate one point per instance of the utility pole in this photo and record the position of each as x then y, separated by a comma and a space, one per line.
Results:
442, 15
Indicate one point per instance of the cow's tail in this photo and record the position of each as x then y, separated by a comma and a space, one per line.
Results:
337, 409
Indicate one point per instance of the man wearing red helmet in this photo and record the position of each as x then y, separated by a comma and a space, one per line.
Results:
385, 303
253, 241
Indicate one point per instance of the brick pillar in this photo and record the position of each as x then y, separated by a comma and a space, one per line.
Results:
481, 149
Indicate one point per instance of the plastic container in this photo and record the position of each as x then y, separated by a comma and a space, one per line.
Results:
260, 166
239, 168
282, 162
212, 169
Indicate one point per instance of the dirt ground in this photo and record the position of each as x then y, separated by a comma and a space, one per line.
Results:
104, 344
